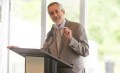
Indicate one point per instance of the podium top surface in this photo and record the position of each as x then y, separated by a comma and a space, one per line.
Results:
39, 53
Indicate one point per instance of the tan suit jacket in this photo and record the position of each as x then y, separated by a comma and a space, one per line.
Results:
72, 52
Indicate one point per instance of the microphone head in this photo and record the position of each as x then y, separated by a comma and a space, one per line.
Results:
55, 26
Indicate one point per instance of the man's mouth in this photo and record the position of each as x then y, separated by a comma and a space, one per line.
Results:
56, 18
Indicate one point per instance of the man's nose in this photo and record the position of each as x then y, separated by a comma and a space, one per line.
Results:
55, 14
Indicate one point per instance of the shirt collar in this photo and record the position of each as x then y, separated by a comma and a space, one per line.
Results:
63, 24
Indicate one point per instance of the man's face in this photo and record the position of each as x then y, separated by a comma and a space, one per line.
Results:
56, 14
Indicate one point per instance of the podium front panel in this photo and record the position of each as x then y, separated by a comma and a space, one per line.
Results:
34, 64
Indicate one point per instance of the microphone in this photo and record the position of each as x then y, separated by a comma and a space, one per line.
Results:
50, 32
55, 26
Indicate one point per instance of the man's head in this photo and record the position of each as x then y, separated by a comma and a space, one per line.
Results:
56, 12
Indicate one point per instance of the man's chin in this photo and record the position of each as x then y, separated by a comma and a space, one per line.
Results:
56, 22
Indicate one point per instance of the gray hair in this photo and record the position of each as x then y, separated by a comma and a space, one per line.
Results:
58, 4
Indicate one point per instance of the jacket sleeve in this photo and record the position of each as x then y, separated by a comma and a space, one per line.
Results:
79, 42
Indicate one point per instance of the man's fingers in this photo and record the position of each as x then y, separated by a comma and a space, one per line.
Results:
66, 30
12, 47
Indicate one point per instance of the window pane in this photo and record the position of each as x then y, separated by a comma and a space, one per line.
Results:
25, 23
3, 36
104, 29
25, 30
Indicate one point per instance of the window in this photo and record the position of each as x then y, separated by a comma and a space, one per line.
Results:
25, 25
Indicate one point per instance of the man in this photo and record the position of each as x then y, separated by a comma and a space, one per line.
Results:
72, 46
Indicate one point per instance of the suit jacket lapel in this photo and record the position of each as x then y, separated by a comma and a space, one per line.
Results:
63, 40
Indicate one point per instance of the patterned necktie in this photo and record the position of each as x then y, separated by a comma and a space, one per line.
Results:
58, 38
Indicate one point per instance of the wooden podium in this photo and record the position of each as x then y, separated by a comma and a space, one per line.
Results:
40, 60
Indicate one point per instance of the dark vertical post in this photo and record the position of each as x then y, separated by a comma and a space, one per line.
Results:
46, 65
53, 66
50, 65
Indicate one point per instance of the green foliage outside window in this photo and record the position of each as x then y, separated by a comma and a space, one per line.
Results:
104, 28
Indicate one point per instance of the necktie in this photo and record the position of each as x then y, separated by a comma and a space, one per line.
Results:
58, 38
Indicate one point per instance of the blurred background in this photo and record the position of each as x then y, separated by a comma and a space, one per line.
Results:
25, 23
